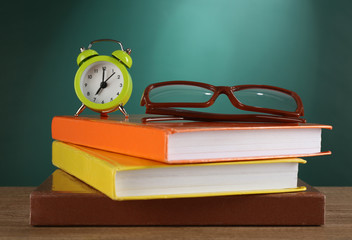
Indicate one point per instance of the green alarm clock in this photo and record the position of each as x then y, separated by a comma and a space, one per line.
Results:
102, 83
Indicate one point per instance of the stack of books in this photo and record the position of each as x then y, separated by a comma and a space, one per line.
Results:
125, 172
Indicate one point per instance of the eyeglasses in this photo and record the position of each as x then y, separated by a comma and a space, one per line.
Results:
273, 104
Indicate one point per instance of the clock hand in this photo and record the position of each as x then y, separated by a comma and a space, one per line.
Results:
101, 87
102, 80
109, 77
104, 84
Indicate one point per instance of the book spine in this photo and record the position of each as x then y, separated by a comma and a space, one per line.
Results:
129, 139
81, 164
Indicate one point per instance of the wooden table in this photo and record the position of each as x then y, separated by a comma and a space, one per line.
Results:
14, 223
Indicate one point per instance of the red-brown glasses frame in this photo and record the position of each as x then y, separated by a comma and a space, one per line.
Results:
275, 114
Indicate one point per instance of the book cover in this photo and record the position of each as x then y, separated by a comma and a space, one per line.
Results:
63, 200
123, 177
191, 142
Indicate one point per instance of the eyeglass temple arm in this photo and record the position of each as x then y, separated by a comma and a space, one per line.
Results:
203, 116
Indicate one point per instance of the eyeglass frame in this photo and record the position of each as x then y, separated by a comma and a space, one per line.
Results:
169, 108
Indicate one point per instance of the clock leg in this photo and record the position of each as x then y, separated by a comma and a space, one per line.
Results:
80, 109
104, 115
123, 110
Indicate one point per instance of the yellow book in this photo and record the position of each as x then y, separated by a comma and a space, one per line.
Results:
123, 177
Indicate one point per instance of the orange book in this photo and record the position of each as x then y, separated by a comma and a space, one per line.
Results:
191, 142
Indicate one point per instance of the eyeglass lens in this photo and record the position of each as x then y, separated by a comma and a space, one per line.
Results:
180, 93
266, 98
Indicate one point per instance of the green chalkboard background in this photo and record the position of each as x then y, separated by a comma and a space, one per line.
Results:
302, 45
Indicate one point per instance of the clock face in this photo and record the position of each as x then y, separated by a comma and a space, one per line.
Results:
101, 82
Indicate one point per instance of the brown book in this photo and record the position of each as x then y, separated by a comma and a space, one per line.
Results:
63, 200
